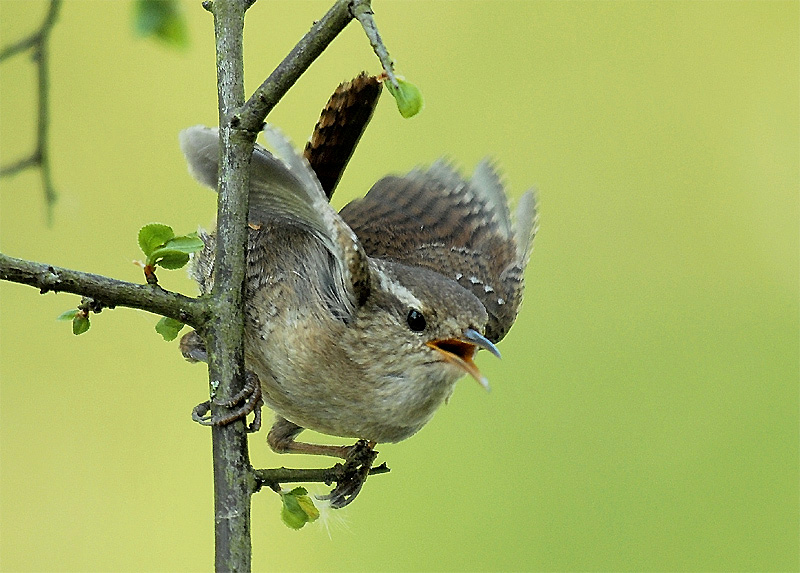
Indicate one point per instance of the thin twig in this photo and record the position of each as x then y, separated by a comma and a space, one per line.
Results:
273, 477
21, 165
362, 11
42, 57
36, 37
252, 115
106, 291
40, 156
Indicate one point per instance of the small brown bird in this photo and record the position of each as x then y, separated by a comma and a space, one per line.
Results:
359, 323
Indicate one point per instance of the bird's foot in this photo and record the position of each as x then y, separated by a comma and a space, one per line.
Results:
243, 403
354, 473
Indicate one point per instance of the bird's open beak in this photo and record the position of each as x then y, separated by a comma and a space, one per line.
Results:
461, 351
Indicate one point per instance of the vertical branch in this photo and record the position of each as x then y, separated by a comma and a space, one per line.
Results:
233, 481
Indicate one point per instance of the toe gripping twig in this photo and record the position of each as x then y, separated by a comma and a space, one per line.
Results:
353, 474
349, 476
246, 401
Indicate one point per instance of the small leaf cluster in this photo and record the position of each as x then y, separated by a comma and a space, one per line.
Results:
162, 248
298, 508
79, 318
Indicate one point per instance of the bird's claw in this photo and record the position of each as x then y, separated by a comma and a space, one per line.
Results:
243, 403
353, 473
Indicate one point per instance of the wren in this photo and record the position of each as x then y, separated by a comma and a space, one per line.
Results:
359, 323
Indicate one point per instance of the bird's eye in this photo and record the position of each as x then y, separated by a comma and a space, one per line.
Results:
416, 321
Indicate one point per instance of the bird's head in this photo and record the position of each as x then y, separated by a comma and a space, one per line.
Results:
422, 326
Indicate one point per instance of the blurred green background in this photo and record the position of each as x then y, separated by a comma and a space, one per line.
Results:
645, 413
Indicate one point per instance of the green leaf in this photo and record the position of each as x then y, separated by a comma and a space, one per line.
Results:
298, 509
407, 96
190, 243
162, 20
169, 328
153, 236
307, 505
80, 324
68, 315
291, 512
168, 258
